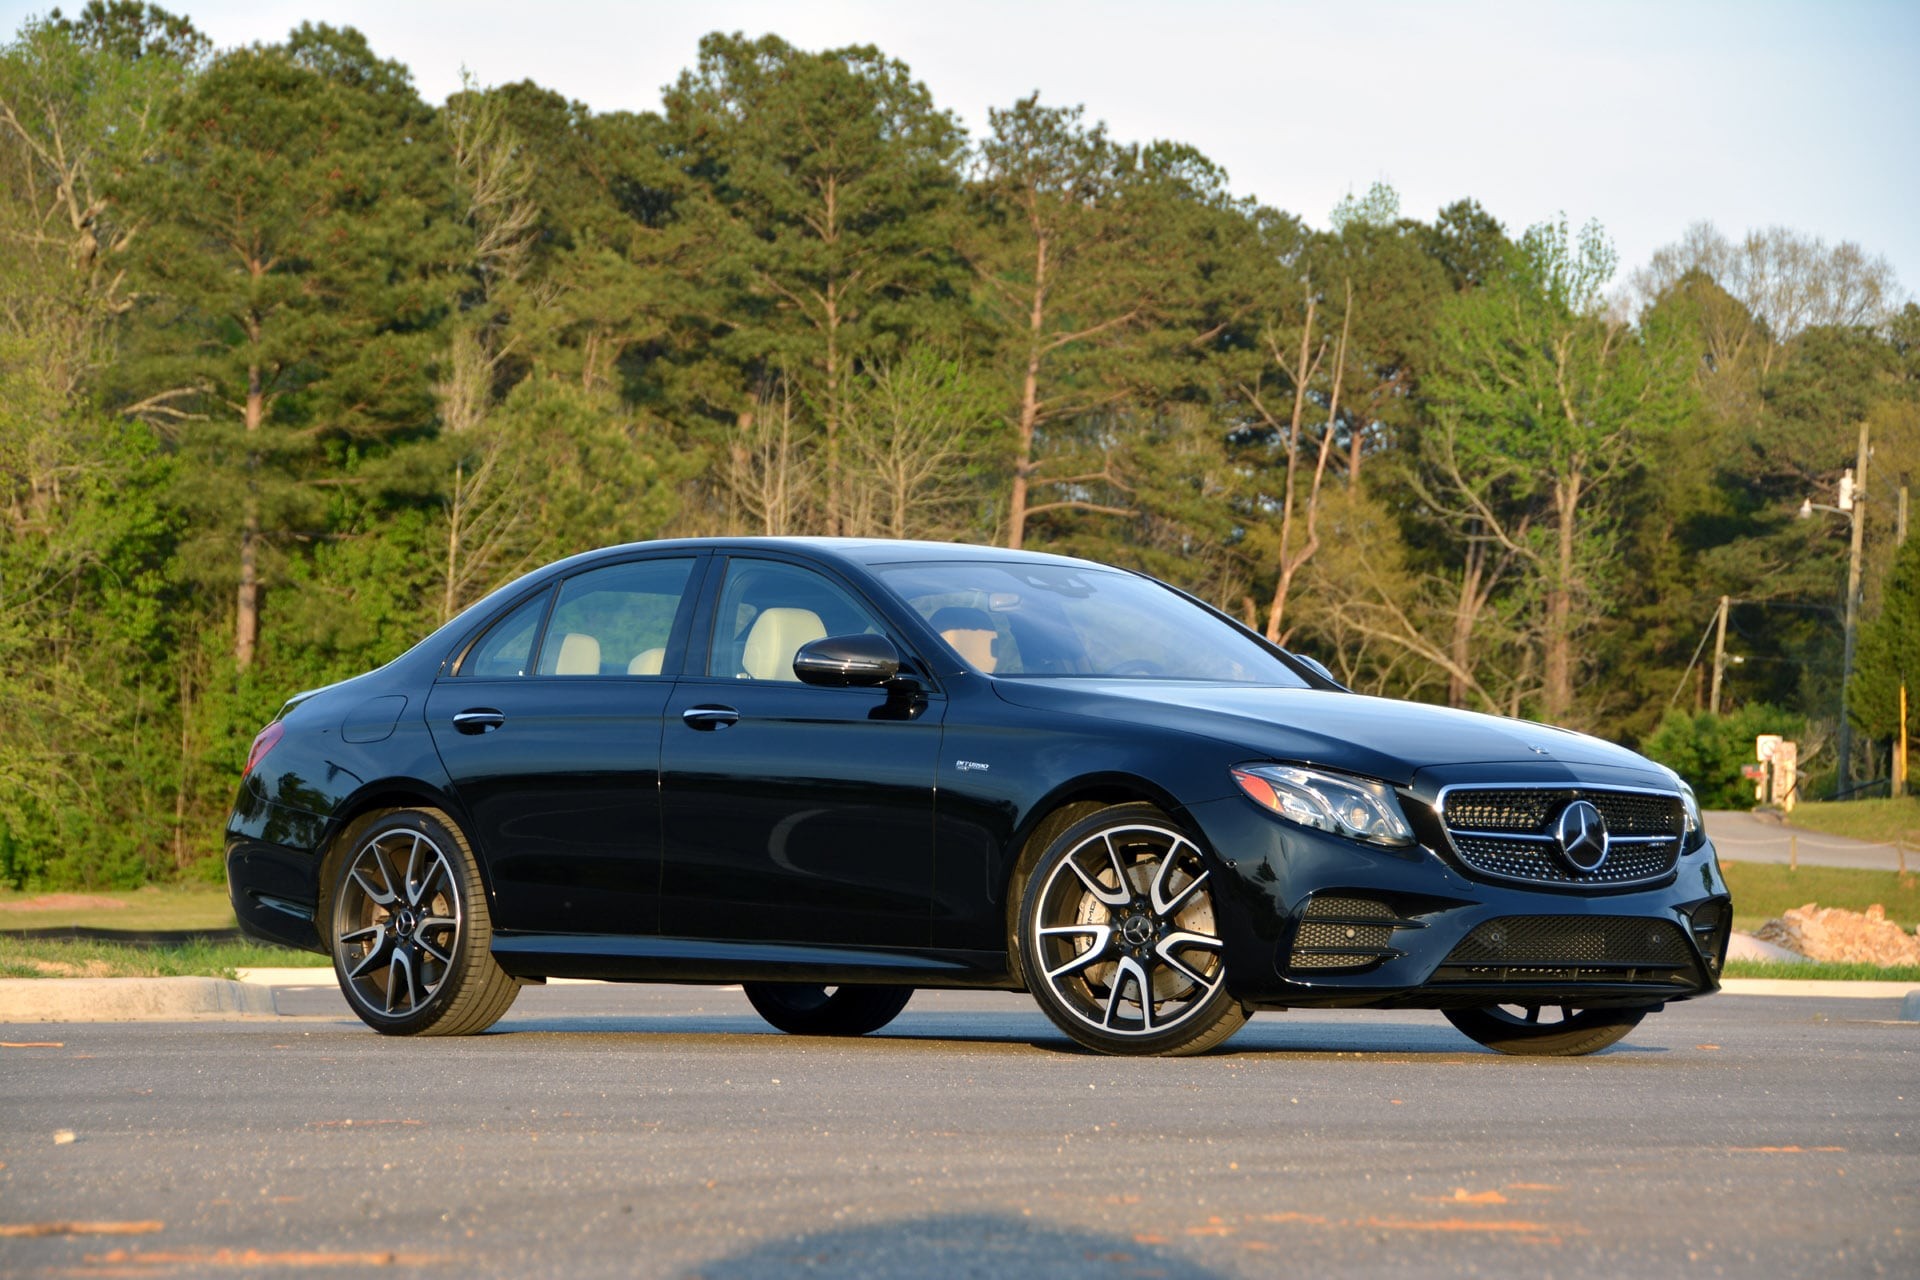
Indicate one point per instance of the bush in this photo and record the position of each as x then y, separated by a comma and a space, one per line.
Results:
1709, 750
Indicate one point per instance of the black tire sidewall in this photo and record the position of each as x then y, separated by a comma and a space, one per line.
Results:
1586, 1031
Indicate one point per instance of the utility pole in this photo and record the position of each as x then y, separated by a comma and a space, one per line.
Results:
1719, 656
1853, 499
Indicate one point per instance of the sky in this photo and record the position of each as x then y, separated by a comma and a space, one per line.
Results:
1644, 116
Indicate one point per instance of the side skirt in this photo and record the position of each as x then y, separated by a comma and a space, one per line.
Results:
699, 960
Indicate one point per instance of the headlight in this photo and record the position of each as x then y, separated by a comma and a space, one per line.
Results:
1695, 836
1351, 807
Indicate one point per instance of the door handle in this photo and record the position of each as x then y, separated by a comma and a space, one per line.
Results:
709, 717
479, 720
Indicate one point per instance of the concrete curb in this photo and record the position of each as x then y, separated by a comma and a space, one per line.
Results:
1818, 987
131, 1000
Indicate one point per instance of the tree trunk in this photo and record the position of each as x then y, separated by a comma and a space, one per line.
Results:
246, 622
1465, 614
1017, 500
1559, 638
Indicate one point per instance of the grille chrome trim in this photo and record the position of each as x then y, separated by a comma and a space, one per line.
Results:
1483, 840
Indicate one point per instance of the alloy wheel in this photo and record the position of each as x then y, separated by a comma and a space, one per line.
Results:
1123, 933
397, 922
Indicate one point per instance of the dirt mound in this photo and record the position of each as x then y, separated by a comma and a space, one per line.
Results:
1843, 937
64, 902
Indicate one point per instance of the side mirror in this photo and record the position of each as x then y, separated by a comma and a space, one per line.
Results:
843, 662
1316, 666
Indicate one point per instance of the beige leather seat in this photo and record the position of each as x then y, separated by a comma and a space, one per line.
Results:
971, 634
775, 637
646, 662
579, 655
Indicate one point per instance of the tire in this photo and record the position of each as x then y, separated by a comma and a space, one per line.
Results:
1118, 941
410, 931
808, 1009
1529, 1031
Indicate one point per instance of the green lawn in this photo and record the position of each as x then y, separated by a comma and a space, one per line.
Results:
1884, 821
1762, 890
86, 958
1822, 972
200, 906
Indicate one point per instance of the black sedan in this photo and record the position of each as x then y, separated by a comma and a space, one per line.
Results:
836, 771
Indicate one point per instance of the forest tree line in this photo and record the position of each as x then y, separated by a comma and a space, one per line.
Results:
294, 365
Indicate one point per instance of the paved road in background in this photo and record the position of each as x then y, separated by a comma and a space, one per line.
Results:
665, 1132
1741, 837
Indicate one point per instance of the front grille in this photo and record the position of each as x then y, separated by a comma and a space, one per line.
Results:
1506, 833
1342, 931
1626, 941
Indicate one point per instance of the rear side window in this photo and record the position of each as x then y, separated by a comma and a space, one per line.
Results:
614, 621
507, 650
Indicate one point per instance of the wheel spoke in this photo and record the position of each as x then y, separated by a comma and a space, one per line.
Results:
379, 897
1102, 936
361, 935
1130, 968
401, 963
444, 957
1111, 897
1164, 906
396, 888
1164, 950
375, 954
1119, 867
415, 884
1533, 1013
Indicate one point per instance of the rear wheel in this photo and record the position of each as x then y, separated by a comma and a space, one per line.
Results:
1545, 1031
411, 931
1118, 937
809, 1009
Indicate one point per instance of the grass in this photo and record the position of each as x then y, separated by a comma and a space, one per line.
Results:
1882, 821
87, 958
199, 906
1762, 890
1822, 972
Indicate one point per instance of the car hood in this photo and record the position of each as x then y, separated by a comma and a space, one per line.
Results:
1379, 737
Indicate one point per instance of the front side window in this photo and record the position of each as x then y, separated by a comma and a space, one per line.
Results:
1032, 621
769, 609
614, 621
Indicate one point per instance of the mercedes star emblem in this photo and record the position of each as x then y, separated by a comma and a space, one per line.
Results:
1582, 833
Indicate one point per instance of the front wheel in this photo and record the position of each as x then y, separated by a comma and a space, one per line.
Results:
1545, 1031
411, 932
1118, 937
808, 1009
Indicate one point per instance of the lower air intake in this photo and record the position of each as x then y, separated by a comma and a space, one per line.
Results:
1626, 942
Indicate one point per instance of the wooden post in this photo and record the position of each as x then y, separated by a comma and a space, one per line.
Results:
1793, 851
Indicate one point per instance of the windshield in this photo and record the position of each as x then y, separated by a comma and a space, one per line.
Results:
1038, 621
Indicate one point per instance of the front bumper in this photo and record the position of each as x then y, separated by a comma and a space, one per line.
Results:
1312, 920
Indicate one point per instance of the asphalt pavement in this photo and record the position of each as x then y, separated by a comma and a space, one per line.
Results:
1746, 837
666, 1132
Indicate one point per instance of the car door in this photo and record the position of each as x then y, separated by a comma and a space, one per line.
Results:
549, 725
793, 813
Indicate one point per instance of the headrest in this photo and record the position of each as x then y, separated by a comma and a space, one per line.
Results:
775, 637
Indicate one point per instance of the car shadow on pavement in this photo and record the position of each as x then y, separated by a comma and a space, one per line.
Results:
1273, 1036
966, 1245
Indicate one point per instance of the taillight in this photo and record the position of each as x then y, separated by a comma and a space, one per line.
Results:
262, 743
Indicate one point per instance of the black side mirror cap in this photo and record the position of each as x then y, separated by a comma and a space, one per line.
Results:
844, 662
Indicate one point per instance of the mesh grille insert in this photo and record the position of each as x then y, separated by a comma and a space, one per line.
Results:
1505, 833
